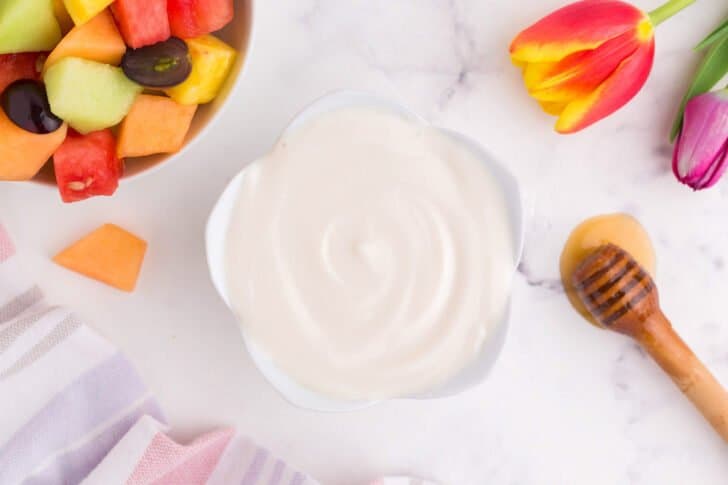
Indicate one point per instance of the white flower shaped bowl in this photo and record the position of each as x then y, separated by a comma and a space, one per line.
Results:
216, 235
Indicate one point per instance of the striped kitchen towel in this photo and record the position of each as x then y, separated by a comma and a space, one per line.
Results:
73, 409
146, 455
401, 481
66, 395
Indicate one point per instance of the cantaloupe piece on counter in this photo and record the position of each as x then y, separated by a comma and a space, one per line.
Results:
155, 124
97, 40
109, 254
22, 153
62, 15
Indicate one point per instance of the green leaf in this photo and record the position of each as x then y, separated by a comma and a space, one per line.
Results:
714, 36
713, 68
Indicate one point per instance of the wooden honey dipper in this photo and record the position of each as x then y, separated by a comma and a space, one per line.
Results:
622, 297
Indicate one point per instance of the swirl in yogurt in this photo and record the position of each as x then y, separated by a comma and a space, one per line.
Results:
369, 256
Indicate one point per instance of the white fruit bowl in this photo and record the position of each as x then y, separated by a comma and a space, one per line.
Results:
219, 222
239, 34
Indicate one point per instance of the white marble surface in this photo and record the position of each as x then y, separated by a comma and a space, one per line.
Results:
566, 404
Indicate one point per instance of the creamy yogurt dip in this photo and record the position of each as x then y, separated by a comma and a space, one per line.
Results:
369, 256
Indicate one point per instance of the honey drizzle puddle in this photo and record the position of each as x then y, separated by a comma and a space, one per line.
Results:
622, 230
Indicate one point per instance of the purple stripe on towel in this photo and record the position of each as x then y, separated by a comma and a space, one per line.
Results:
55, 337
275, 479
253, 473
12, 331
298, 479
95, 397
20, 303
75, 465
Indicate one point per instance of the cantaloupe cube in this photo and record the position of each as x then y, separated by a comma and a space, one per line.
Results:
97, 40
82, 11
109, 254
155, 124
22, 153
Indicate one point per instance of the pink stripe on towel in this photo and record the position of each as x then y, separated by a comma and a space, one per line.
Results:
167, 463
6, 245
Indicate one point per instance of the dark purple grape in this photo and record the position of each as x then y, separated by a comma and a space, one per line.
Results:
162, 65
26, 104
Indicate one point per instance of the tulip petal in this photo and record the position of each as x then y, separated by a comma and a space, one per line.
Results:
535, 73
518, 63
552, 108
619, 88
717, 170
701, 151
582, 72
709, 172
576, 27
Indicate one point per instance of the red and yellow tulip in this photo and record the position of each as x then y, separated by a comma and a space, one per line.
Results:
586, 60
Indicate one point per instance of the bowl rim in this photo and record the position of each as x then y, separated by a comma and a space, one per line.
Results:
214, 118
291, 391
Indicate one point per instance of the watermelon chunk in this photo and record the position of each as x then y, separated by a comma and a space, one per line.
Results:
86, 165
142, 22
193, 18
20, 66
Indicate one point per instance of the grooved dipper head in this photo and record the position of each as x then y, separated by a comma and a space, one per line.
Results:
615, 289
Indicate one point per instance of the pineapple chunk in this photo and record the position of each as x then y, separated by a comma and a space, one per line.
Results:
212, 60
81, 11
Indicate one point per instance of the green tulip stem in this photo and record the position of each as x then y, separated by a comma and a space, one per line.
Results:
660, 14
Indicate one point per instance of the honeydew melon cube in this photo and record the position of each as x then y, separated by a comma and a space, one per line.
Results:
89, 95
28, 26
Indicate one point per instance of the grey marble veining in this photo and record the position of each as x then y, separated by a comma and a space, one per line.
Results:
567, 403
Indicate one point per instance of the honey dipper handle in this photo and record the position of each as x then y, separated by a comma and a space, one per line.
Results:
686, 370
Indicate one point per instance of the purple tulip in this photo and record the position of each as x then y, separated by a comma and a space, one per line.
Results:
701, 151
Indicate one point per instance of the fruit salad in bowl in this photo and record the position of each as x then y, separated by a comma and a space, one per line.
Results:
93, 91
